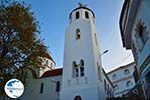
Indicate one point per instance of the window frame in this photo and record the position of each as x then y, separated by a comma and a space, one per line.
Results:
128, 83
42, 88
126, 71
78, 34
81, 71
77, 15
86, 14
114, 76
78, 69
116, 87
58, 86
77, 97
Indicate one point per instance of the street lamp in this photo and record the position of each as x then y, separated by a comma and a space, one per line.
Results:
104, 52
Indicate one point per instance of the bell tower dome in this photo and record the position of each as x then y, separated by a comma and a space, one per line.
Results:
81, 12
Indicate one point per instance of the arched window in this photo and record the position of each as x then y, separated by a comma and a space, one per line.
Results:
126, 71
41, 89
46, 63
114, 76
78, 69
77, 15
116, 87
129, 83
82, 62
51, 65
77, 34
57, 86
74, 64
78, 98
86, 15
75, 69
81, 67
82, 71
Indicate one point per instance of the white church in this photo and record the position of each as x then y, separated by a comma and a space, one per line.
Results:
82, 76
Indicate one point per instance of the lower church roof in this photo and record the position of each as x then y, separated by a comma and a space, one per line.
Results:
54, 72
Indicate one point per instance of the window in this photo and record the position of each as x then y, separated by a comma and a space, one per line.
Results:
116, 87
82, 71
51, 64
86, 15
82, 62
82, 67
41, 89
75, 69
77, 98
126, 71
57, 86
114, 76
77, 34
77, 72
77, 15
78, 69
46, 63
129, 83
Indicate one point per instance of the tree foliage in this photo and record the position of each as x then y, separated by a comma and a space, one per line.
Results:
20, 45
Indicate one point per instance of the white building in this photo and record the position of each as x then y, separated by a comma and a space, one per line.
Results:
108, 86
82, 70
122, 79
83, 77
135, 33
48, 64
46, 87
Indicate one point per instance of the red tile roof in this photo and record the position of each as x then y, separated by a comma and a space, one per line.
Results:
51, 73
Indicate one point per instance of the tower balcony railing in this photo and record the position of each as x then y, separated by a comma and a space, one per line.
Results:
78, 81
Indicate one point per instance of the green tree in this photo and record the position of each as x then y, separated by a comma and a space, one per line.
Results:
20, 44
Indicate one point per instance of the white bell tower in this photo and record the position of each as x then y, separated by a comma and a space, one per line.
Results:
82, 71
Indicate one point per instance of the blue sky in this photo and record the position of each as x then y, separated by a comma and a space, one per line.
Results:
53, 17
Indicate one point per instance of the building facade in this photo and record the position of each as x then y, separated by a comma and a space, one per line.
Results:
82, 76
122, 79
46, 87
82, 69
135, 32
108, 86
47, 64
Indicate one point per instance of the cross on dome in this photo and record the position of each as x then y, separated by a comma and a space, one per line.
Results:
81, 4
